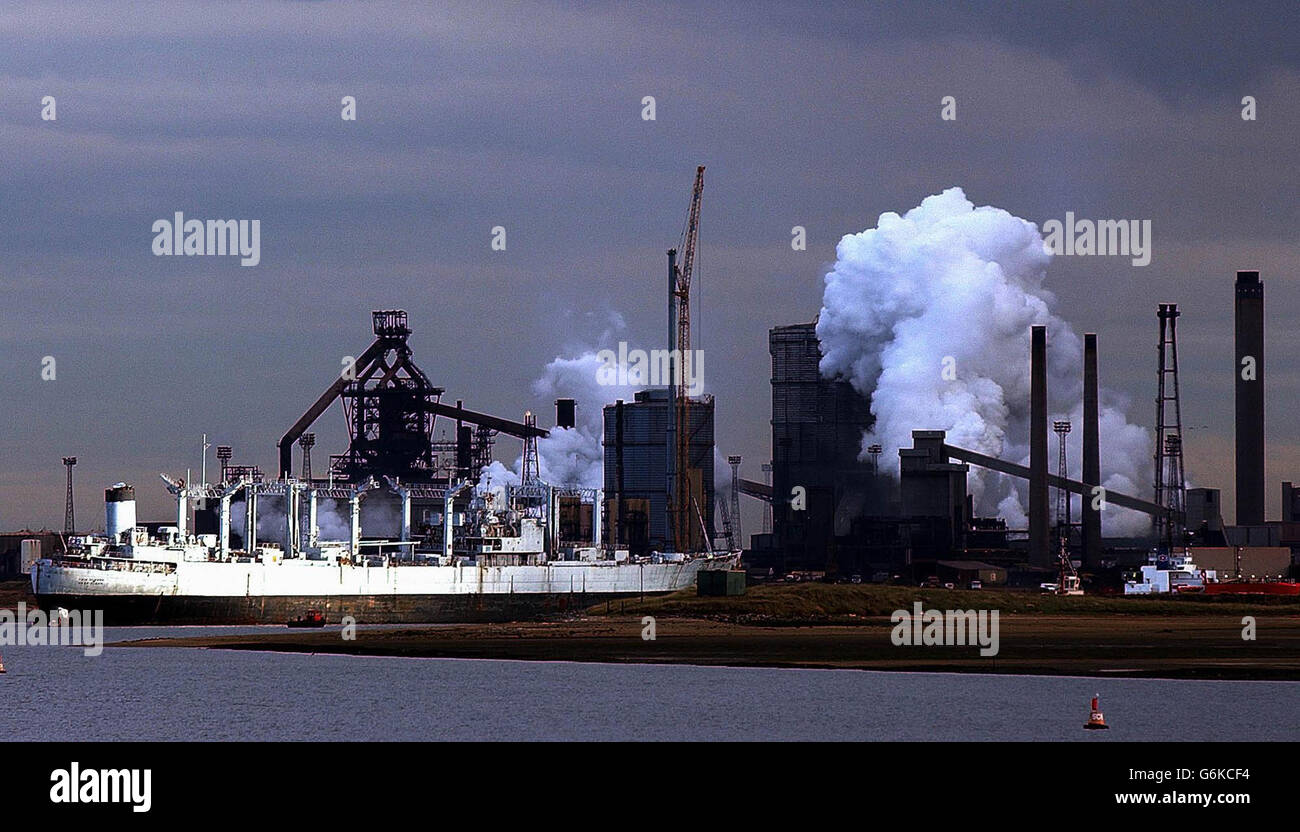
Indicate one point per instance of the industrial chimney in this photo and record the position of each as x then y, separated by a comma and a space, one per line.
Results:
1091, 451
566, 413
1249, 371
1040, 548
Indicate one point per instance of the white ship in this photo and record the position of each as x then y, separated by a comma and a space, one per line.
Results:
1167, 573
493, 556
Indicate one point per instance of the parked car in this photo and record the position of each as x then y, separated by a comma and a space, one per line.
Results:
976, 585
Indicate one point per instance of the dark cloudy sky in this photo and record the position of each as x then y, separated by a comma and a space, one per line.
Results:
528, 116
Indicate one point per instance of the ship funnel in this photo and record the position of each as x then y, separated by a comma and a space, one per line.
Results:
119, 509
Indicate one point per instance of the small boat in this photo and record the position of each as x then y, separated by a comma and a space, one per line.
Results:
2, 664
1096, 721
312, 618
1068, 582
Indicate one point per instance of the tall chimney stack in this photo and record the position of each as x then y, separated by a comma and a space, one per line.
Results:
1040, 548
1091, 452
1250, 398
566, 413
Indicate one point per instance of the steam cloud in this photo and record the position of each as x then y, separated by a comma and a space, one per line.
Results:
949, 284
572, 457
381, 516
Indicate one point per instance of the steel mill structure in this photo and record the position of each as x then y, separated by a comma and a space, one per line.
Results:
1170, 480
829, 512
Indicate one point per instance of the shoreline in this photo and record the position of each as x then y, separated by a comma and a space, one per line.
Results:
1192, 647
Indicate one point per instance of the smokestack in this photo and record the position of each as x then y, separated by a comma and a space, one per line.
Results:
1091, 452
464, 450
1250, 398
119, 510
620, 532
1040, 550
566, 413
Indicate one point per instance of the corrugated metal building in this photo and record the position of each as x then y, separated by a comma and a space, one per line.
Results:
644, 432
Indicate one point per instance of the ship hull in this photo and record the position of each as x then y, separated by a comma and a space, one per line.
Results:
225, 593
134, 610
1253, 588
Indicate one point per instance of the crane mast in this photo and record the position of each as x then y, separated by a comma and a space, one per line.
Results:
679, 302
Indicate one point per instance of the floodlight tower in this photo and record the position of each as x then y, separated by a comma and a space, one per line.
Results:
69, 516
734, 462
1062, 427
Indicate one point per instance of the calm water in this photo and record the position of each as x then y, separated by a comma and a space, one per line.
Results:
57, 693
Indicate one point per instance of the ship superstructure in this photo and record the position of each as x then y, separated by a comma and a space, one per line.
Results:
489, 555
1169, 572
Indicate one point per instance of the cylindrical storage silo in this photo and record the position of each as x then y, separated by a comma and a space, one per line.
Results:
119, 509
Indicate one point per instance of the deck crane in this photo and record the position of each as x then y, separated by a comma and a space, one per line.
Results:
679, 340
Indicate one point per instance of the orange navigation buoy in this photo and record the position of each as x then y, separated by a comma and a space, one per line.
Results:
1096, 721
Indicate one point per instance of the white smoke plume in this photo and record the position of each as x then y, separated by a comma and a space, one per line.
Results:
381, 516
929, 314
270, 520
573, 457
333, 519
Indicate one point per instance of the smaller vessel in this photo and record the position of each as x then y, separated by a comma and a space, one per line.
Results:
1096, 720
1170, 572
1067, 581
312, 618
2, 664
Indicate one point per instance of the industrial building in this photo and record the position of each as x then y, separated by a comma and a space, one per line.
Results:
933, 489
636, 470
817, 428
1205, 516
19, 549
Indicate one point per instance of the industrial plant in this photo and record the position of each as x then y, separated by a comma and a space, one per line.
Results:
836, 505
850, 516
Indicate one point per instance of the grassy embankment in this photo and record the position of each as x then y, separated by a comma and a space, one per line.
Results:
820, 603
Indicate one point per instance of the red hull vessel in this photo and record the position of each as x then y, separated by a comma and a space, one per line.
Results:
1253, 588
